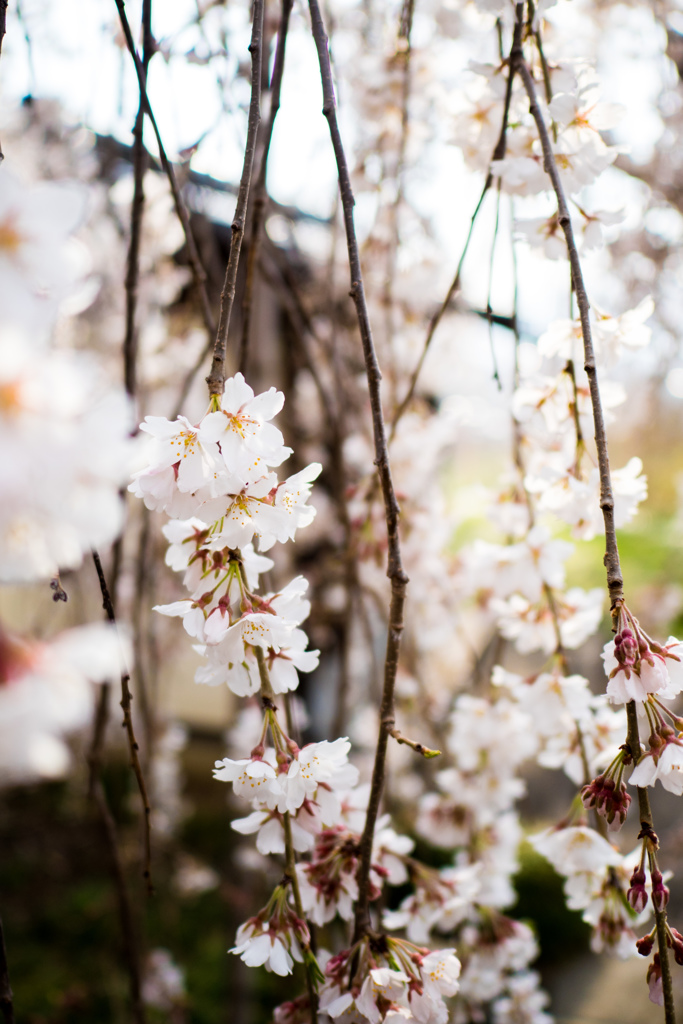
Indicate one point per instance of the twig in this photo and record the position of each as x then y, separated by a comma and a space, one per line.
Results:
133, 746
130, 342
395, 571
259, 203
498, 154
198, 272
6, 996
128, 930
3, 20
216, 378
419, 748
404, 56
615, 581
614, 578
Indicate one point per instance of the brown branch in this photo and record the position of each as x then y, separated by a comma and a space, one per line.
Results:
128, 930
198, 272
615, 581
259, 203
216, 378
498, 154
395, 571
133, 746
6, 995
130, 341
614, 578
3, 20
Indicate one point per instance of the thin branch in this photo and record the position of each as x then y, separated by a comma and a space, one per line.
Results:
6, 995
646, 824
130, 342
615, 581
133, 746
3, 20
129, 933
259, 203
395, 571
614, 578
216, 378
498, 154
198, 272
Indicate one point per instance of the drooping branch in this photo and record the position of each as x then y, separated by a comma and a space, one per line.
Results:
395, 571
615, 581
612, 564
196, 268
259, 200
130, 342
133, 746
3, 20
6, 995
498, 154
216, 378
129, 935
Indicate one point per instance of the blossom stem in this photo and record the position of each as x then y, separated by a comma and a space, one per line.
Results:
216, 378
296, 892
395, 571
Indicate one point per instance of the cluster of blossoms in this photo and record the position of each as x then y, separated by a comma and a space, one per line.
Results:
66, 438
215, 481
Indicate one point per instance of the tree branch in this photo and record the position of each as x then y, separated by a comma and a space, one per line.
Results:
498, 154
216, 378
395, 571
130, 342
615, 581
614, 578
133, 746
198, 272
128, 929
259, 203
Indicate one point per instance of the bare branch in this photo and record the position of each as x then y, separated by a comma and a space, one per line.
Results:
128, 930
259, 203
614, 578
498, 154
130, 341
216, 378
198, 272
395, 571
3, 20
134, 748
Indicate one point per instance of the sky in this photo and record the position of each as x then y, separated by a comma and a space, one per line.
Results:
76, 55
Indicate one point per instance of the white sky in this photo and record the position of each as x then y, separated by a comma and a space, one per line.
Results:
74, 60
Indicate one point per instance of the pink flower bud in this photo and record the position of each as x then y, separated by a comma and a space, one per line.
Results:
660, 892
637, 894
654, 981
645, 944
675, 940
626, 648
